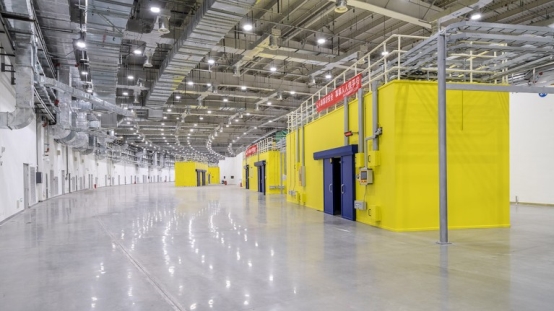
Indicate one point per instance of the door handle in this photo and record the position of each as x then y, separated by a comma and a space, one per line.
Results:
330, 190
342, 188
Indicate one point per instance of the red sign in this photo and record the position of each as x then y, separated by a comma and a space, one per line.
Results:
348, 134
251, 150
349, 88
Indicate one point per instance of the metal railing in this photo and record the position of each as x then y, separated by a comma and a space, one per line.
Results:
387, 66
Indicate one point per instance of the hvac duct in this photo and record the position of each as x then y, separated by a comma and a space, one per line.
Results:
96, 102
212, 21
23, 114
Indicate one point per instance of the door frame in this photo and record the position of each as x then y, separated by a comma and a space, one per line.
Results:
261, 176
349, 183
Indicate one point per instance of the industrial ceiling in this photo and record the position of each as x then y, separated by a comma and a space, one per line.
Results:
209, 78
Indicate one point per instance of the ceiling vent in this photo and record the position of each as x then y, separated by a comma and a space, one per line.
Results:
274, 39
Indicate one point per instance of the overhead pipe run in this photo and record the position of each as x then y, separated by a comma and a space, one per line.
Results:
23, 114
96, 102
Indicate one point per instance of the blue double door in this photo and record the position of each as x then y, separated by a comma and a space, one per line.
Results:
339, 181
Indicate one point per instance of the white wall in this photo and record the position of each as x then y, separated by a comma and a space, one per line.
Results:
33, 145
20, 148
532, 148
231, 167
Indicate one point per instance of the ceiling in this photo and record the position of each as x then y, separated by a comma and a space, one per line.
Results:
213, 87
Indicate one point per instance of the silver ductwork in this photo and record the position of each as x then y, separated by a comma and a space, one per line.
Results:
23, 114
97, 103
212, 21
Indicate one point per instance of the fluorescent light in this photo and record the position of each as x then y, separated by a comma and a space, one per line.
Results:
155, 9
138, 52
273, 68
243, 87
209, 84
225, 99
177, 96
168, 109
476, 16
81, 44
209, 111
201, 118
292, 92
269, 103
190, 83
211, 61
125, 93
321, 40
130, 77
328, 76
84, 72
384, 53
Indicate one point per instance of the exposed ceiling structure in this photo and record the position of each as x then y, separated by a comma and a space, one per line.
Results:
200, 81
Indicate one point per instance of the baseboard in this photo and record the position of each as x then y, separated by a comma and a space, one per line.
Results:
10, 217
534, 204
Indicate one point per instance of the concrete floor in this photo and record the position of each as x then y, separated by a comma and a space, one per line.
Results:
155, 247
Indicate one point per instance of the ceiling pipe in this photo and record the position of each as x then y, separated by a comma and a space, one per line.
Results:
97, 103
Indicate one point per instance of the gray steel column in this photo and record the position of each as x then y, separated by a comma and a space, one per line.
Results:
361, 141
346, 117
443, 198
375, 116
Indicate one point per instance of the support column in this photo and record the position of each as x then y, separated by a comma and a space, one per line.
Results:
361, 141
443, 198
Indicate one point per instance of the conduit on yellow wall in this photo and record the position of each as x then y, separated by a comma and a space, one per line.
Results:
404, 196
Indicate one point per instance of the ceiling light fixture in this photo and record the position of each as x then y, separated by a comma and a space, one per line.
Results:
385, 53
190, 83
130, 77
321, 40
248, 26
340, 6
177, 96
201, 118
84, 72
125, 93
292, 92
225, 99
328, 76
273, 68
476, 16
155, 9
269, 103
209, 111
211, 61
243, 87
138, 51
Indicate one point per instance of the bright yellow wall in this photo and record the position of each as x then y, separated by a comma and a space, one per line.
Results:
185, 173
214, 173
406, 182
272, 170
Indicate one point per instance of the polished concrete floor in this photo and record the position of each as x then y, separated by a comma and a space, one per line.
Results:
156, 247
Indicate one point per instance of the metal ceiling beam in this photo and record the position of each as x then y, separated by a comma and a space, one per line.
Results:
389, 13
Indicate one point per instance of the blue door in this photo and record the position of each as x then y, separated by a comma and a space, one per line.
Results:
328, 199
262, 179
348, 187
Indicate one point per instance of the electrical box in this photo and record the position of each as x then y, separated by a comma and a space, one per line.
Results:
359, 205
373, 159
374, 212
365, 176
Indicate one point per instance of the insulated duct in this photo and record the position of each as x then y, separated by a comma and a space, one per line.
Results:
23, 114
212, 21
96, 102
